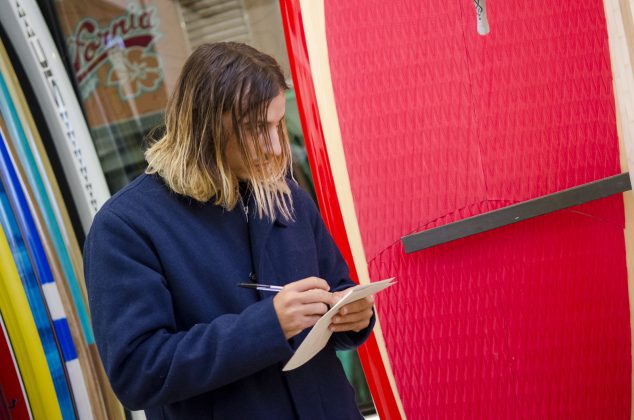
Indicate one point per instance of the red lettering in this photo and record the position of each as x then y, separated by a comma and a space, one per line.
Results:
88, 28
131, 21
104, 38
118, 28
92, 42
90, 50
145, 20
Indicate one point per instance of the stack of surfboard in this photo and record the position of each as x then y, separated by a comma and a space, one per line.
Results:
42, 300
50, 367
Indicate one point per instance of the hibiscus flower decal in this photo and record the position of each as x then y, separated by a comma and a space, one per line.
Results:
134, 71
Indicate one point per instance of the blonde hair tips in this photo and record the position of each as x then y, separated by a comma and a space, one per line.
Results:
220, 82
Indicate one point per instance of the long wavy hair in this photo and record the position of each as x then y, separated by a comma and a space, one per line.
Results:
232, 82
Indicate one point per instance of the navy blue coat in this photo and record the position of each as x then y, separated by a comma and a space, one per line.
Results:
176, 335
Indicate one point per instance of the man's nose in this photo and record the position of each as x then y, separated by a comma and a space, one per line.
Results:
275, 142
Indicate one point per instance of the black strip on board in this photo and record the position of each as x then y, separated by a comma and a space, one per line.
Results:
517, 212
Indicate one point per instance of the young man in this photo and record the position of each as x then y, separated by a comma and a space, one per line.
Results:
164, 256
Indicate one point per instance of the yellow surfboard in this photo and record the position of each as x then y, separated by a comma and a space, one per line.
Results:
24, 338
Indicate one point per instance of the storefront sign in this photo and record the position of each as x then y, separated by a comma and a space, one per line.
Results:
125, 46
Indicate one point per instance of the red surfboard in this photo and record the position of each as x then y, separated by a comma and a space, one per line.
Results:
414, 120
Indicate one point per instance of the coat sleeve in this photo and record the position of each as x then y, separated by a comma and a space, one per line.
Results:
148, 361
333, 268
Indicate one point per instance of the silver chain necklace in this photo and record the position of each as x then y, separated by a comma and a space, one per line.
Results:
245, 208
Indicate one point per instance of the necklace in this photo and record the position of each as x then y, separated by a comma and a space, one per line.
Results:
245, 207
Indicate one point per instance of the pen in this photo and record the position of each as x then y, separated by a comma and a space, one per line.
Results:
266, 288
258, 286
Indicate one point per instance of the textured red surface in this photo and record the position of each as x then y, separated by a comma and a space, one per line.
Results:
438, 124
487, 327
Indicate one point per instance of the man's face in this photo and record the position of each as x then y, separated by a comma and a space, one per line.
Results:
274, 115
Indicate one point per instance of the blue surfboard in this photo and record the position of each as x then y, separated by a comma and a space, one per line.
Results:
16, 224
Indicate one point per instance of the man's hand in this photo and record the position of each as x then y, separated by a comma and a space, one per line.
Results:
354, 316
300, 304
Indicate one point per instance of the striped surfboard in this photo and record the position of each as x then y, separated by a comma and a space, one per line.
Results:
39, 284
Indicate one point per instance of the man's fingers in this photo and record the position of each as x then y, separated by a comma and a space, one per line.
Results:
337, 296
314, 309
308, 321
307, 284
351, 326
353, 317
315, 296
300, 304
357, 306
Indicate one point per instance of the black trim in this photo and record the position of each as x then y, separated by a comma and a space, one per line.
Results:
517, 212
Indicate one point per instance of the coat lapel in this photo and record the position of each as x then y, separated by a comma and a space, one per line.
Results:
308, 403
259, 233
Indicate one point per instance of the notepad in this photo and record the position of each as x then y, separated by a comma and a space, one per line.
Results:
318, 337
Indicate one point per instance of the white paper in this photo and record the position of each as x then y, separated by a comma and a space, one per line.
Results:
318, 337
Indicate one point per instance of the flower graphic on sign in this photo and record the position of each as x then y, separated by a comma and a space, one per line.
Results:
134, 71
95, 44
